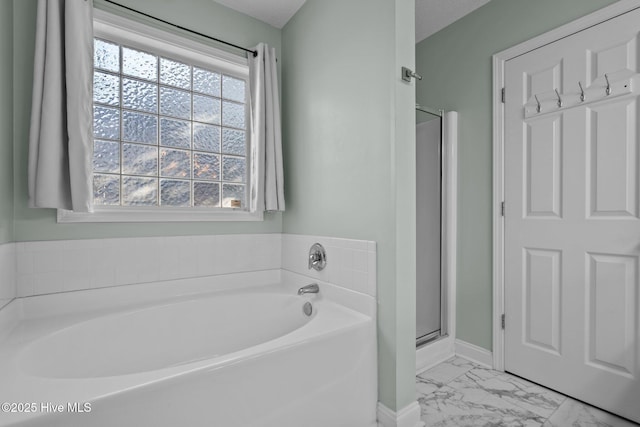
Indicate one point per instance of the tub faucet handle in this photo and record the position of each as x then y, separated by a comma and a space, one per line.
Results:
309, 289
317, 257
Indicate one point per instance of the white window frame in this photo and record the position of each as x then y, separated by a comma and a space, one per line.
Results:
159, 42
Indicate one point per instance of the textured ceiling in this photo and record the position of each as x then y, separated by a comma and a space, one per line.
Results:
431, 15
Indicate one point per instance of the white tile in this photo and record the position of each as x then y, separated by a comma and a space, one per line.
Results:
48, 261
48, 283
45, 246
350, 263
447, 371
451, 407
74, 260
102, 278
361, 282
351, 243
458, 392
572, 413
347, 261
205, 248
119, 261
372, 270
84, 244
25, 285
147, 261
24, 262
8, 279
531, 397
76, 280
425, 387
360, 260
101, 259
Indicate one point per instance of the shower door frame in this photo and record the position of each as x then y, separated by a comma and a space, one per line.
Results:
448, 241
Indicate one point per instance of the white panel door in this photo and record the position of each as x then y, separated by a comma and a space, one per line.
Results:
572, 226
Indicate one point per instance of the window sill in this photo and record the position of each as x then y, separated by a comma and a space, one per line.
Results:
153, 214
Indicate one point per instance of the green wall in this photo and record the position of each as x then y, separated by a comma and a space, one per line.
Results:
6, 122
344, 141
456, 66
349, 140
404, 180
204, 16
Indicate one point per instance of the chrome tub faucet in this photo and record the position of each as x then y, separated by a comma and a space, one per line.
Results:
309, 289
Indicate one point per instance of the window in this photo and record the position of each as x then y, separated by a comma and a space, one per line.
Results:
170, 123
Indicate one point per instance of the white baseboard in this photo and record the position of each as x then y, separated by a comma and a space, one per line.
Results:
474, 353
434, 353
409, 416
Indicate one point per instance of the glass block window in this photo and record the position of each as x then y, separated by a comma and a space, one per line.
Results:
166, 132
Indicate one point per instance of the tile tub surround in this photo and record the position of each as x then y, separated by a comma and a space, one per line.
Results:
7, 273
70, 265
350, 263
461, 393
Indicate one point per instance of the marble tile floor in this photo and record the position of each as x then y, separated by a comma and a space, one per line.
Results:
459, 393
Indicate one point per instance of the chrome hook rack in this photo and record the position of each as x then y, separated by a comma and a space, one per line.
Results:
605, 86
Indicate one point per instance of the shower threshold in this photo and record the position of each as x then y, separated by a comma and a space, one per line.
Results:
426, 339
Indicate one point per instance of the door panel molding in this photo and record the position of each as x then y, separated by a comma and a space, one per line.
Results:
499, 60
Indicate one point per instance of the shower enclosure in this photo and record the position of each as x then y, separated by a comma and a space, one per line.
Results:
428, 224
435, 224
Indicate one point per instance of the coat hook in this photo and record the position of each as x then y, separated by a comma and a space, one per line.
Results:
539, 107
582, 97
608, 84
559, 98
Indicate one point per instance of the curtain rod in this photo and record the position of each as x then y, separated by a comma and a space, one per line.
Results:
255, 53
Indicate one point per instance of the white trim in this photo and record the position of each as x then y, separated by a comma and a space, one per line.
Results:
434, 353
409, 416
498, 219
474, 353
156, 214
450, 218
499, 60
160, 42
129, 32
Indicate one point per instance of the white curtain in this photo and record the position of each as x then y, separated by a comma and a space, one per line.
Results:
267, 190
60, 140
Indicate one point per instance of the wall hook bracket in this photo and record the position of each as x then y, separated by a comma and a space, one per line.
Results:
407, 74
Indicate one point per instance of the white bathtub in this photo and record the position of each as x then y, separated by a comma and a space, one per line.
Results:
189, 357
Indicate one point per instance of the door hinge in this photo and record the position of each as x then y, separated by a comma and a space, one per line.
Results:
502, 95
502, 321
502, 209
